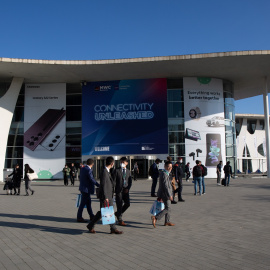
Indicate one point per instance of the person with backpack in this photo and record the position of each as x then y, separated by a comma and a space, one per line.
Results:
204, 173
228, 172
154, 173
197, 177
178, 172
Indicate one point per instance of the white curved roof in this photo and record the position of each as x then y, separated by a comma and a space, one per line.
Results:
246, 69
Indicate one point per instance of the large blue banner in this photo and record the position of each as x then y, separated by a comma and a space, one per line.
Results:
126, 117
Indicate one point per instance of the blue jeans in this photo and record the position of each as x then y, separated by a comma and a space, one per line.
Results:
203, 185
197, 180
154, 184
85, 200
227, 176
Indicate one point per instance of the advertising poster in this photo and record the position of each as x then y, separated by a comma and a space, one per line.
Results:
204, 122
125, 117
45, 128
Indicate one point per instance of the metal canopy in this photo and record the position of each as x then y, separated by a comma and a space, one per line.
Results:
246, 69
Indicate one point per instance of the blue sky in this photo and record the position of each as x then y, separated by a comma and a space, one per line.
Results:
105, 29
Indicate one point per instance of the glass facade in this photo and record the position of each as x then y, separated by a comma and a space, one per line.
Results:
230, 132
176, 124
74, 124
14, 150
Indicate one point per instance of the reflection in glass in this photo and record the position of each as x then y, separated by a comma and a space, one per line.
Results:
176, 137
14, 152
177, 150
74, 113
175, 109
175, 95
251, 125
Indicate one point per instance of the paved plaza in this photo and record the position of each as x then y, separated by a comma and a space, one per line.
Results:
227, 228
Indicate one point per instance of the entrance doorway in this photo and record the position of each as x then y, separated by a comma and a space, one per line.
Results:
143, 167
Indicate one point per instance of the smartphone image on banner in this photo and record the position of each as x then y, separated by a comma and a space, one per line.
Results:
36, 134
213, 149
52, 140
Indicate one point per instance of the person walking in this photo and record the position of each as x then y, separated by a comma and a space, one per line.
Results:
228, 172
136, 171
219, 167
154, 173
27, 181
66, 172
87, 187
16, 179
197, 177
105, 195
178, 172
166, 194
187, 171
123, 182
73, 171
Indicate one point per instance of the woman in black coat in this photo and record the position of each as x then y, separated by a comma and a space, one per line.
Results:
17, 178
28, 169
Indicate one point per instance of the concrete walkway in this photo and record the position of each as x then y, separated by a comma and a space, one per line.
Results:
227, 228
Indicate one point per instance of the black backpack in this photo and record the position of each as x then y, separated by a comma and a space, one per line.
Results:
151, 170
204, 173
197, 171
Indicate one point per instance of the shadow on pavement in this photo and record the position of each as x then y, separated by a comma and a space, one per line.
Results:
37, 217
41, 228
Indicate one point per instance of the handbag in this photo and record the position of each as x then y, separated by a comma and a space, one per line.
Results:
107, 214
157, 207
32, 176
78, 201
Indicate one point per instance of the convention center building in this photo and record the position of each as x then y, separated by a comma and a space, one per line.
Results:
61, 112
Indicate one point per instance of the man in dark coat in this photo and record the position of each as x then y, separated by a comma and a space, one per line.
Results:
178, 172
123, 182
87, 187
228, 172
106, 195
73, 171
154, 174
16, 179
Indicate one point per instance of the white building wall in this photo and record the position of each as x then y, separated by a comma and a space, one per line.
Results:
252, 141
7, 107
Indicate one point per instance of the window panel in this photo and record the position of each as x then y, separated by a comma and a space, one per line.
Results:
175, 109
74, 113
75, 99
73, 140
16, 128
14, 152
15, 140
177, 150
175, 95
176, 137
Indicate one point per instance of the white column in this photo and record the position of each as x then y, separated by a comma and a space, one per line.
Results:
7, 107
266, 120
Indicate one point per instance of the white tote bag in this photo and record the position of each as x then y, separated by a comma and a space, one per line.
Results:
32, 176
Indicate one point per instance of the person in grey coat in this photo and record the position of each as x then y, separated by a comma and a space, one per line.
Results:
166, 194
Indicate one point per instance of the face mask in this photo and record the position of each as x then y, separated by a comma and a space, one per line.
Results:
181, 161
123, 165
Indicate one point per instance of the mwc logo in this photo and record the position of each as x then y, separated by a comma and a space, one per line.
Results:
103, 88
